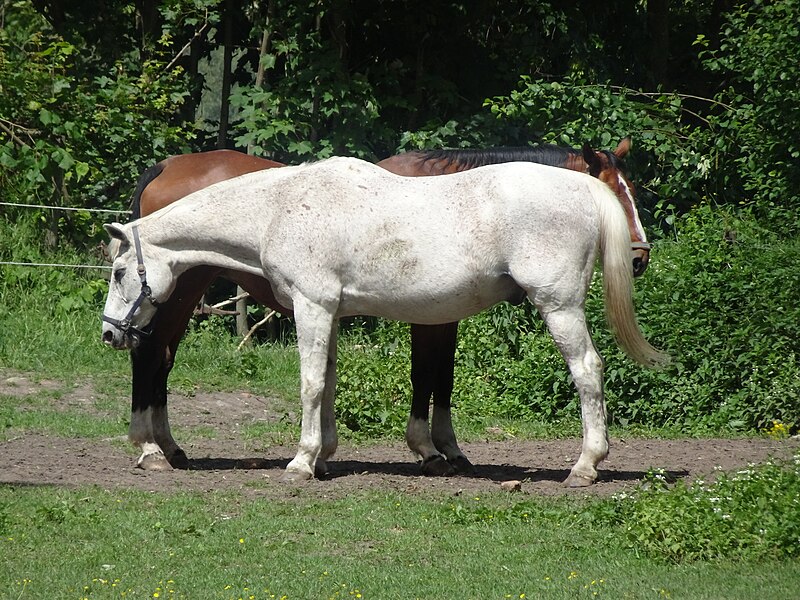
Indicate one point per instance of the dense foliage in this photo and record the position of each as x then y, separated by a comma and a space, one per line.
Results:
712, 106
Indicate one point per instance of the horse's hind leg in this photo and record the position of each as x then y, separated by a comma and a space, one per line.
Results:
330, 439
444, 436
568, 328
425, 359
315, 332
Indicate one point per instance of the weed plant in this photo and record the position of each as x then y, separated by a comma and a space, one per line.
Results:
751, 514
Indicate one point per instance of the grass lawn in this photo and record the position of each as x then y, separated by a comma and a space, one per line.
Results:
90, 543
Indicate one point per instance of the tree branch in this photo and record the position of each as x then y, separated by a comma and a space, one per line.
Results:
177, 57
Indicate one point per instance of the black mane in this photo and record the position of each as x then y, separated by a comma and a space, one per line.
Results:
546, 154
145, 179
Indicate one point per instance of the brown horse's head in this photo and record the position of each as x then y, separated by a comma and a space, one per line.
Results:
607, 166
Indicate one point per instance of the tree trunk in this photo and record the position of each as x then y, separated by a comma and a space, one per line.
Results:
266, 38
658, 25
225, 92
150, 19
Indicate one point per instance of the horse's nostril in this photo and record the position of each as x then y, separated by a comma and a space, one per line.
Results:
638, 267
108, 337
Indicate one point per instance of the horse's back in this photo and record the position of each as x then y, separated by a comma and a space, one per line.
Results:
182, 174
368, 235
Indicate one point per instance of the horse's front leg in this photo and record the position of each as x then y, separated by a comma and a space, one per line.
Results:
315, 333
424, 364
152, 362
568, 327
146, 414
160, 418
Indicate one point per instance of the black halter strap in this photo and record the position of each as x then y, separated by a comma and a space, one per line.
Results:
124, 324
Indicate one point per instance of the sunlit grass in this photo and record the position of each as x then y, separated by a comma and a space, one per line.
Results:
91, 543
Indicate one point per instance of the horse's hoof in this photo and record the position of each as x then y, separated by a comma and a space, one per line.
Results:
462, 465
437, 466
154, 462
179, 460
294, 476
321, 469
578, 481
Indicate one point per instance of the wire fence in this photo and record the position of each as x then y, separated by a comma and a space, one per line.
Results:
64, 208
68, 208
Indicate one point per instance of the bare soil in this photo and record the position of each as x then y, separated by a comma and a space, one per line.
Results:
226, 460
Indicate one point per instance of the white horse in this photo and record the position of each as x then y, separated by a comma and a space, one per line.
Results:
343, 237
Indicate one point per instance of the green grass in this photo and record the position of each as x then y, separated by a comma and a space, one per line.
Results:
92, 543
36, 412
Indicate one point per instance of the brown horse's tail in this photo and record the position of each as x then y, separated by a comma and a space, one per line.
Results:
615, 252
145, 179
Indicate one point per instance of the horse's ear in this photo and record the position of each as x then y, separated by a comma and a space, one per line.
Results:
623, 148
592, 160
115, 231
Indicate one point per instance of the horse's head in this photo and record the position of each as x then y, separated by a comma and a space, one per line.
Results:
134, 290
608, 167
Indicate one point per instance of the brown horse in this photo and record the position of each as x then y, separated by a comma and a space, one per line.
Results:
433, 346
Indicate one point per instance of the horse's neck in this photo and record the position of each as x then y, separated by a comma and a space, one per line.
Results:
206, 234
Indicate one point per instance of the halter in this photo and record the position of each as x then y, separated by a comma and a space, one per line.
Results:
124, 325
641, 246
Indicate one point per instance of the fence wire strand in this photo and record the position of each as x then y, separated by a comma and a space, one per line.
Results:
68, 208
97, 210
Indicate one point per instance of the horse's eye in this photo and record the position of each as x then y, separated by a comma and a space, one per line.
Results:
119, 274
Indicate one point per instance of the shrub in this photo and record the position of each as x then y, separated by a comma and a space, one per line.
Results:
373, 391
750, 514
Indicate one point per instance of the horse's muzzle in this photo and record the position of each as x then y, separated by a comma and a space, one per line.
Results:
641, 258
118, 339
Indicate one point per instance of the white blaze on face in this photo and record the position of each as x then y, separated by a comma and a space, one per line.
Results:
636, 222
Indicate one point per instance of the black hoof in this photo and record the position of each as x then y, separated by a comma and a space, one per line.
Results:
462, 465
437, 466
179, 460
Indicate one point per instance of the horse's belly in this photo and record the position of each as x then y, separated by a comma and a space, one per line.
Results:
426, 306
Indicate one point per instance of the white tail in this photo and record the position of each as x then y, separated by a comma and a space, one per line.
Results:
615, 252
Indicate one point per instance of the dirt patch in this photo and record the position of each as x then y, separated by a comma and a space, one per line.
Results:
228, 461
